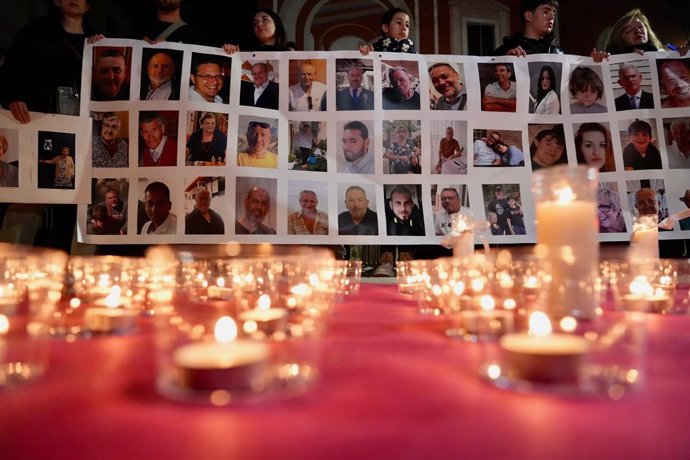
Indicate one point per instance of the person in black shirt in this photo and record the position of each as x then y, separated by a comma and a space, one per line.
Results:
538, 17
169, 26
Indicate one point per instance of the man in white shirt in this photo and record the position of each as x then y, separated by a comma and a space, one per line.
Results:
262, 92
160, 69
679, 150
207, 80
500, 96
307, 94
157, 205
443, 219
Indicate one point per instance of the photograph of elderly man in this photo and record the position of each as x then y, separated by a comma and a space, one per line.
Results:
157, 143
161, 79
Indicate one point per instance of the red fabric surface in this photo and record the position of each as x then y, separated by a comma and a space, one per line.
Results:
392, 387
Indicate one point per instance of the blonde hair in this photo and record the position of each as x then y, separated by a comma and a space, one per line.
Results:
615, 43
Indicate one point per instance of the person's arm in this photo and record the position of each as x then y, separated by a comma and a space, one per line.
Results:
365, 49
499, 104
599, 55
231, 49
458, 152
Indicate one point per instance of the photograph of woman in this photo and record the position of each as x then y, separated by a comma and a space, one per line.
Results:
593, 147
403, 152
547, 97
207, 144
609, 209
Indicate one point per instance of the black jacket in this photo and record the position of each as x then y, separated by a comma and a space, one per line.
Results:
544, 45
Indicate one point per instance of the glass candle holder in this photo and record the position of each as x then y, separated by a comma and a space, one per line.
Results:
30, 286
644, 239
566, 222
650, 287
348, 276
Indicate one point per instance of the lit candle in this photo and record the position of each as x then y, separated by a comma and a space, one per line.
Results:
4, 329
264, 318
226, 363
540, 355
487, 320
111, 315
567, 231
644, 239
219, 291
642, 296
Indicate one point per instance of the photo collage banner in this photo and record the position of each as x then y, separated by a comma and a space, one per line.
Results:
191, 145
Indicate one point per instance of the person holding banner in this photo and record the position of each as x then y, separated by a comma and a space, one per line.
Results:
269, 34
538, 18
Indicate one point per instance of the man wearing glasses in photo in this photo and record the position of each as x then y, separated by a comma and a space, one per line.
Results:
257, 154
307, 95
207, 80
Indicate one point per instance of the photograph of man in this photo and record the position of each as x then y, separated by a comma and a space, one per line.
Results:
256, 204
496, 204
110, 74
253, 148
451, 203
448, 91
484, 150
674, 79
400, 87
501, 94
109, 150
206, 146
161, 81
547, 145
109, 216
450, 159
208, 77
203, 220
355, 96
9, 162
679, 149
640, 152
633, 96
157, 205
262, 90
404, 215
359, 219
308, 220
64, 168
357, 157
544, 93
156, 148
309, 93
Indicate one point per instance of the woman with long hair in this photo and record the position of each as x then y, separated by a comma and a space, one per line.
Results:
593, 147
547, 98
269, 34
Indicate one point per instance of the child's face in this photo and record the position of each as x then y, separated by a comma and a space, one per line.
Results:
640, 140
511, 202
587, 97
399, 27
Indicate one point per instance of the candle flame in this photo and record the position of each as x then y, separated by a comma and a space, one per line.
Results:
220, 282
225, 329
565, 195
531, 282
640, 286
487, 303
4, 325
112, 300
264, 302
539, 324
568, 324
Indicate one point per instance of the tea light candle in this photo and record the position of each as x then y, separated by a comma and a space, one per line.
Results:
487, 320
643, 296
567, 229
227, 363
110, 315
219, 291
540, 356
264, 318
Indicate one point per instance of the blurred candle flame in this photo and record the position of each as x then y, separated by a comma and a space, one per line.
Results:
225, 329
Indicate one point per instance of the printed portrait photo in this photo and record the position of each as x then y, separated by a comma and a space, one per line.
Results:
451, 138
160, 75
260, 85
404, 214
107, 215
586, 88
111, 73
640, 141
309, 145
677, 135
9, 157
609, 208
402, 141
632, 85
503, 208
674, 81
56, 160
593, 146
497, 147
257, 142
356, 209
498, 87
307, 208
355, 149
446, 200
255, 206
207, 138
547, 145
158, 138
307, 82
209, 78
354, 80
202, 213
647, 197
110, 141
400, 85
447, 89
545, 87
159, 217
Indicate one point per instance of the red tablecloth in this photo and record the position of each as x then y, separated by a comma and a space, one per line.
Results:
393, 387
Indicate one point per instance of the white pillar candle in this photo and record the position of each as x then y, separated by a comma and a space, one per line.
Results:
644, 239
109, 320
4, 329
567, 230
